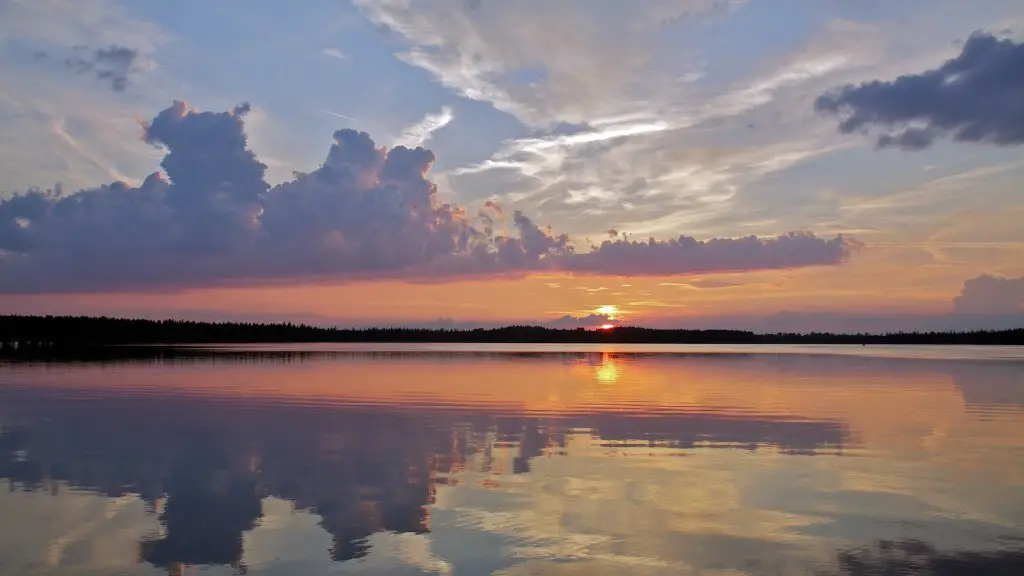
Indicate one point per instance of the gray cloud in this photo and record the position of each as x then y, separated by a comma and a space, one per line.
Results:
588, 321
111, 64
976, 97
687, 255
366, 212
988, 294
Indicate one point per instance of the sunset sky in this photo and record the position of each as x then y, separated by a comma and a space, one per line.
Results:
762, 164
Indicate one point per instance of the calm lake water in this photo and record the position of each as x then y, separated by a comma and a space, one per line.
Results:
516, 460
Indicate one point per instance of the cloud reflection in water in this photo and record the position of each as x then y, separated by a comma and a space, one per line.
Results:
432, 464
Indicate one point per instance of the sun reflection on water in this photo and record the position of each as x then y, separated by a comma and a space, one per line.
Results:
608, 371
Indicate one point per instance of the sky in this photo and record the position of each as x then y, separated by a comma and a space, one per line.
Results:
767, 165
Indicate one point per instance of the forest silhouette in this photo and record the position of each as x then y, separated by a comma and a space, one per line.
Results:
34, 332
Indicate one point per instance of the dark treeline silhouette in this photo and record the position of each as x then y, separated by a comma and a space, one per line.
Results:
72, 331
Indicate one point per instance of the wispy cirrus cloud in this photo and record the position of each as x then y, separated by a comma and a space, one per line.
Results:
639, 122
673, 157
419, 133
75, 63
575, 73
761, 90
337, 115
334, 53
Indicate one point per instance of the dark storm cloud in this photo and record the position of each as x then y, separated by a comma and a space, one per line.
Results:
111, 64
988, 294
367, 212
976, 97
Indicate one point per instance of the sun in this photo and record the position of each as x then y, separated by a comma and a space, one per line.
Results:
608, 310
607, 326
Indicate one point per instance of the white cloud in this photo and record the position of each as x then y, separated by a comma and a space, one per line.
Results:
337, 115
661, 153
542, 62
762, 90
419, 133
334, 53
534, 151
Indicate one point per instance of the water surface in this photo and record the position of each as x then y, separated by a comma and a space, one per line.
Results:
516, 460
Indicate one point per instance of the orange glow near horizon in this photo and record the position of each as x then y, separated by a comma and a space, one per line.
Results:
607, 326
877, 282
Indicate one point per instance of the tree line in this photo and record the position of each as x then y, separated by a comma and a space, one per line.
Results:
75, 331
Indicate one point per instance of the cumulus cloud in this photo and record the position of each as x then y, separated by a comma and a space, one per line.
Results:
988, 294
975, 97
111, 64
367, 212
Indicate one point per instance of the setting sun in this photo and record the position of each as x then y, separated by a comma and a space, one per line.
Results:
607, 326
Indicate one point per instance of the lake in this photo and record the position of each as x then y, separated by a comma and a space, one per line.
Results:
515, 460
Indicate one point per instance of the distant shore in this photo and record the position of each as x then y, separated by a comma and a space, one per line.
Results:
34, 332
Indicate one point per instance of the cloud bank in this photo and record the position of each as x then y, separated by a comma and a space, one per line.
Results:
976, 97
367, 212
